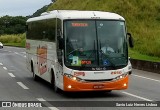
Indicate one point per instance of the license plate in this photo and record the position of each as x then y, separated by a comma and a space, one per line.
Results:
100, 86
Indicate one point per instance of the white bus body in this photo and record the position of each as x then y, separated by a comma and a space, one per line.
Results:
76, 68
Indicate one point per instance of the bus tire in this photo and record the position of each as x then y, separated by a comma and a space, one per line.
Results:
109, 91
35, 77
55, 88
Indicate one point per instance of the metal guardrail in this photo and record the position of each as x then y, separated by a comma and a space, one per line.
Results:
146, 65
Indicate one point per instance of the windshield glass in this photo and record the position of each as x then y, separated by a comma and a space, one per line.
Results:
112, 43
80, 37
95, 43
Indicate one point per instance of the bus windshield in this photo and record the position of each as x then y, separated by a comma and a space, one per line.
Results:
95, 43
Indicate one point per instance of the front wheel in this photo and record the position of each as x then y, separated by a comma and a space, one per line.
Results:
109, 91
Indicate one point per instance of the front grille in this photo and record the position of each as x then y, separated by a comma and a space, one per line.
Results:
101, 80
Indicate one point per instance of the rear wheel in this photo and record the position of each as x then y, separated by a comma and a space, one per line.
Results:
35, 77
53, 82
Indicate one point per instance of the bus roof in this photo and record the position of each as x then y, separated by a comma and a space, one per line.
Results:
76, 14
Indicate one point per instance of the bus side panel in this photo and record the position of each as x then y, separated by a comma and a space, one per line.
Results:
31, 54
44, 57
47, 59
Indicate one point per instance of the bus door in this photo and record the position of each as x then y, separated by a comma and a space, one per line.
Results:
59, 62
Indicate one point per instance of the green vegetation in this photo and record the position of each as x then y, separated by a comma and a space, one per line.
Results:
142, 16
139, 56
40, 11
12, 25
12, 29
13, 40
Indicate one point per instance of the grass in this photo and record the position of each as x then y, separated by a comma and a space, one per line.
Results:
136, 55
13, 40
143, 21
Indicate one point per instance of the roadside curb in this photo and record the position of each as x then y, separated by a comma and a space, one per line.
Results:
146, 65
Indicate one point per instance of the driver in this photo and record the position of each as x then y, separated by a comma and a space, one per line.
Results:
107, 48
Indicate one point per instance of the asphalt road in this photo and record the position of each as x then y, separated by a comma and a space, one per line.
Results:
17, 84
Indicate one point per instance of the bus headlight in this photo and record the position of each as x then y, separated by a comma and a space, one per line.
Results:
72, 77
121, 76
124, 84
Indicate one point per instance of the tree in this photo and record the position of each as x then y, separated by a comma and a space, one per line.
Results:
53, 0
12, 25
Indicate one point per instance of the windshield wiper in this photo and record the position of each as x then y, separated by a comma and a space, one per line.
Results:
73, 51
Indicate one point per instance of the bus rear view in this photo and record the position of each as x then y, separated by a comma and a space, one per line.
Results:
92, 52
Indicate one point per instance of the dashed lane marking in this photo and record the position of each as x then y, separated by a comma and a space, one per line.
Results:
5, 68
16, 53
22, 85
21, 54
11, 74
47, 104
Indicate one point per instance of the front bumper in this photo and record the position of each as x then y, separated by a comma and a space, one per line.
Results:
71, 85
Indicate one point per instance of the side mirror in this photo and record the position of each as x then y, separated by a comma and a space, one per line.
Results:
131, 42
61, 43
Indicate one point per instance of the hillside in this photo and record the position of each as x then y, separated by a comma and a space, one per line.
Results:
40, 11
142, 16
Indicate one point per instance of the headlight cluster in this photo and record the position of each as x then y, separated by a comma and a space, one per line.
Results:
72, 77
121, 76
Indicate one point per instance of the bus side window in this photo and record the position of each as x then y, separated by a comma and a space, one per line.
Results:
51, 30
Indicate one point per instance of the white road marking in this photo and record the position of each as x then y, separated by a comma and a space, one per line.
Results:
1, 64
5, 68
11, 75
139, 97
47, 104
16, 53
22, 85
20, 54
53, 108
40, 99
9, 51
147, 78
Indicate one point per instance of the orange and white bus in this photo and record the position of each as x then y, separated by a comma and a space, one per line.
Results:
79, 50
